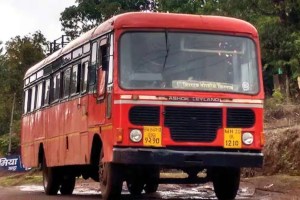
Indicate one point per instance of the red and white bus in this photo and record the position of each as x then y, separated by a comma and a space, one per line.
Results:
145, 91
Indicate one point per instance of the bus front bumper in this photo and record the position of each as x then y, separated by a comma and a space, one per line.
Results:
179, 158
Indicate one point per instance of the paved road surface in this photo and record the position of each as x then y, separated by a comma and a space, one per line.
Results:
168, 192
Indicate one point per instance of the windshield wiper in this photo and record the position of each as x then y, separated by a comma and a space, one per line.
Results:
167, 50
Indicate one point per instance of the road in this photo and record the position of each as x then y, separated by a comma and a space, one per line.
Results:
88, 190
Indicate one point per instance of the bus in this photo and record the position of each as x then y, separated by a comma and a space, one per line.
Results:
143, 92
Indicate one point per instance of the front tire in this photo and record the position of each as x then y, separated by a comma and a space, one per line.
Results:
226, 182
51, 179
67, 185
110, 180
152, 180
135, 183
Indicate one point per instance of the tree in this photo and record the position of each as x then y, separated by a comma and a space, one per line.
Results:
21, 53
80, 18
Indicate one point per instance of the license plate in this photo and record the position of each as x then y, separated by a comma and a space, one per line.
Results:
152, 136
232, 138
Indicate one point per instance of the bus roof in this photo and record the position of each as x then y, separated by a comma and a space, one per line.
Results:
155, 21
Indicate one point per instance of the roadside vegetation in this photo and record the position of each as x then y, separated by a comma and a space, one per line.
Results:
25, 178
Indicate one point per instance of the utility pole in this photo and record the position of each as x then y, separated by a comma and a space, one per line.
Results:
11, 124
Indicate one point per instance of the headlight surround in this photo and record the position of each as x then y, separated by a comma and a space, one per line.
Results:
248, 138
136, 135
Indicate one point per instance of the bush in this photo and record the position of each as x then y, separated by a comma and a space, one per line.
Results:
15, 144
277, 96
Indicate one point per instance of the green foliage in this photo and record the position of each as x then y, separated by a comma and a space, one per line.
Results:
277, 96
80, 18
21, 53
15, 144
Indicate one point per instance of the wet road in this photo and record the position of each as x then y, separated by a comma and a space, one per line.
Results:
167, 191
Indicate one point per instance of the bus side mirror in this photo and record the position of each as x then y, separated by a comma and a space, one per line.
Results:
101, 85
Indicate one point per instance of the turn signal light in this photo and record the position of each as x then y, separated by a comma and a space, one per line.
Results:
262, 139
119, 135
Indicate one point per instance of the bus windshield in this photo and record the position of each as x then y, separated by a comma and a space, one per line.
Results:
188, 61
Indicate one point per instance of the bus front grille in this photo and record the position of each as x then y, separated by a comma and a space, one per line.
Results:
144, 115
240, 118
193, 124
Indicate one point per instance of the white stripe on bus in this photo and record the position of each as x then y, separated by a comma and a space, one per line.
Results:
196, 104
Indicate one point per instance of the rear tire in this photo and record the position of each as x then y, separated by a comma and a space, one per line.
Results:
67, 185
51, 179
226, 182
135, 185
110, 180
152, 179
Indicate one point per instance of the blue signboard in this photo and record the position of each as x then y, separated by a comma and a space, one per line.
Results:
12, 163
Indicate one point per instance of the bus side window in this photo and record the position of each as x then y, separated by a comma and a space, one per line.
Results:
66, 83
75, 83
94, 54
39, 97
104, 57
47, 92
32, 106
29, 100
84, 77
26, 101
92, 67
55, 87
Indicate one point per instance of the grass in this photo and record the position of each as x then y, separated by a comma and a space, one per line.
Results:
25, 178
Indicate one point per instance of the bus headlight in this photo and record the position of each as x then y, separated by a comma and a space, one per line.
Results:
136, 135
247, 138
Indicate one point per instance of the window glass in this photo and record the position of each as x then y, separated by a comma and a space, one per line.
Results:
110, 61
27, 81
94, 53
86, 48
85, 68
56, 86
40, 74
29, 100
77, 52
32, 107
66, 83
56, 64
39, 95
74, 79
47, 92
67, 58
188, 61
48, 70
32, 77
26, 102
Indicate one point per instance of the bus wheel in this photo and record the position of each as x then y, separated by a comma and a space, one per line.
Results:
51, 181
67, 185
110, 180
135, 185
226, 182
152, 179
